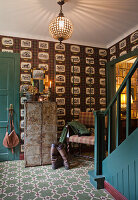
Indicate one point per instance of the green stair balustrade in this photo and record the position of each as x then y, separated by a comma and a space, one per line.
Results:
98, 175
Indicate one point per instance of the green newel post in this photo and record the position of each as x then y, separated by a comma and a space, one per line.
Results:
96, 177
99, 147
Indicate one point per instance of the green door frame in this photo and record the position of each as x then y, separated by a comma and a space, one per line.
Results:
110, 87
16, 58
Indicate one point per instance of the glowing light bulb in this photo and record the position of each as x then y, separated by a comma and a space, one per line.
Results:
61, 24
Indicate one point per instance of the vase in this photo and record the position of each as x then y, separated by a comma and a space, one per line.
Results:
30, 97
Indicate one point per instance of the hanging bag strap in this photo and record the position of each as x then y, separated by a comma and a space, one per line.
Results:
10, 120
12, 124
8, 123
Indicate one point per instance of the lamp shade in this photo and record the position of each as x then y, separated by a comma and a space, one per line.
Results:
61, 28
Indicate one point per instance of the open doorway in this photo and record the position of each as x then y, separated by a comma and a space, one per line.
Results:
122, 68
116, 72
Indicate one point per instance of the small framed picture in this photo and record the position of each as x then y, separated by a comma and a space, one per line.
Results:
89, 60
26, 54
59, 47
102, 71
60, 68
26, 77
43, 45
102, 100
102, 61
60, 57
75, 48
134, 47
88, 100
89, 70
38, 74
102, 52
89, 50
112, 58
75, 59
6, 41
43, 56
89, 90
60, 101
76, 111
76, 79
102, 81
26, 43
43, 66
102, 91
60, 89
60, 78
25, 66
112, 50
60, 111
76, 101
89, 80
122, 44
123, 53
75, 90
76, 69
134, 37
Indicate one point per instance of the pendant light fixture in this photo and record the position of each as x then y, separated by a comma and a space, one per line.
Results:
61, 28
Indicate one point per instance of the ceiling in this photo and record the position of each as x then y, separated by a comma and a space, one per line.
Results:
99, 23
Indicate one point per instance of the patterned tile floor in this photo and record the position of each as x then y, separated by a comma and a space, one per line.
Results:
18, 182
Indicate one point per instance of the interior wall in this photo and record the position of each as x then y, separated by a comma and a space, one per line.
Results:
123, 46
56, 64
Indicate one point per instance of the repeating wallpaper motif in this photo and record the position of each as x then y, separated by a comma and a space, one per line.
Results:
123, 47
55, 63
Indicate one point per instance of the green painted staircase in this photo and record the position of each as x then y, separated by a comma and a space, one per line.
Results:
120, 167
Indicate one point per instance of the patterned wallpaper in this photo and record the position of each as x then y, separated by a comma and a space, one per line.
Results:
124, 46
51, 62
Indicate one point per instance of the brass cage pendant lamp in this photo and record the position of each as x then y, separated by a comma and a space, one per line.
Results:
61, 28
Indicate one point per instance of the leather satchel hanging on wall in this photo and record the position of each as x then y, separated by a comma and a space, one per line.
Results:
11, 140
